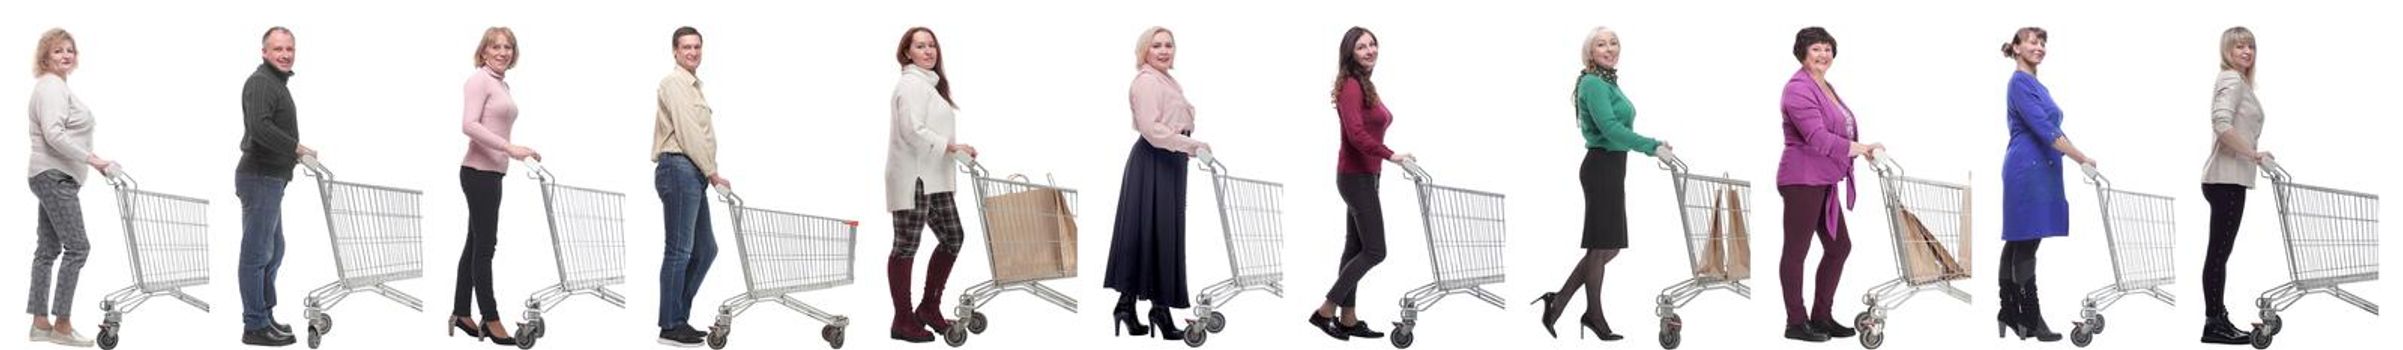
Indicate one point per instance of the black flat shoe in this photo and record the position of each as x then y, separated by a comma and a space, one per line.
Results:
1360, 330
1804, 333
1831, 328
1550, 315
1327, 325
266, 337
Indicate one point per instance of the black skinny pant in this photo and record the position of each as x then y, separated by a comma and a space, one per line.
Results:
483, 189
1364, 236
2227, 212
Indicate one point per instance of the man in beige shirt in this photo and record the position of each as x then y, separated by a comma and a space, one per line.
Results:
685, 149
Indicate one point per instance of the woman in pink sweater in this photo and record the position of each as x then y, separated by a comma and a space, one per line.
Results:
489, 113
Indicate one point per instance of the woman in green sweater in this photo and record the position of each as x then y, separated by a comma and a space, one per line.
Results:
1608, 120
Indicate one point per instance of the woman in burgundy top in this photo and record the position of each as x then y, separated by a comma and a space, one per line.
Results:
1363, 121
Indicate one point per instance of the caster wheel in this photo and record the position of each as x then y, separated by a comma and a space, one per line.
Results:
1218, 322
324, 323
1872, 330
976, 322
833, 335
1196, 337
1672, 329
1669, 339
108, 337
2271, 320
316, 336
527, 334
955, 336
2081, 335
717, 335
2096, 324
1403, 337
2261, 337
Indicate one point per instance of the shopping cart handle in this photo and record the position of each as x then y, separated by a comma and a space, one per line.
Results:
2270, 168
1411, 170
118, 178
539, 173
2095, 176
1884, 163
1209, 162
969, 165
727, 193
1671, 163
315, 169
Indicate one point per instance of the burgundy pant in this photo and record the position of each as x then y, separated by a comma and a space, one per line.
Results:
1806, 216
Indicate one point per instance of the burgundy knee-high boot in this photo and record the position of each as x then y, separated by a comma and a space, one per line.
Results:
930, 309
906, 326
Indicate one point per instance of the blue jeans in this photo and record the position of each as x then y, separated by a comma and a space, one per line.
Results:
262, 245
684, 195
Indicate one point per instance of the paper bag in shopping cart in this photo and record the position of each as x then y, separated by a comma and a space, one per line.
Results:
1727, 254
1925, 258
1033, 235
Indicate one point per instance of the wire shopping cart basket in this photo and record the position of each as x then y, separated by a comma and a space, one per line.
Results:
376, 236
588, 236
1930, 222
1717, 241
1252, 214
2331, 240
1030, 237
167, 237
2142, 231
1465, 236
785, 253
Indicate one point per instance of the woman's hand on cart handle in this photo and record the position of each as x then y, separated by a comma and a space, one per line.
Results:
962, 148
1668, 158
1402, 157
1209, 160
2263, 157
521, 152
117, 177
1867, 149
2094, 176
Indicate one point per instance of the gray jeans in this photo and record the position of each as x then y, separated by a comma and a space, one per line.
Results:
61, 240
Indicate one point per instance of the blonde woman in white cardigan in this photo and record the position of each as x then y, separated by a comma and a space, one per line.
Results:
62, 147
919, 184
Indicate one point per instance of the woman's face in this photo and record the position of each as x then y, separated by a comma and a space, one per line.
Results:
922, 50
2030, 50
1606, 49
1161, 55
1364, 51
61, 58
500, 54
1819, 58
2242, 55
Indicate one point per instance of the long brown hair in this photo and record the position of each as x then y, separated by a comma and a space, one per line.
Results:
901, 53
1350, 67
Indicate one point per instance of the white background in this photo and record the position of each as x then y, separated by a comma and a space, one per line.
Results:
1480, 91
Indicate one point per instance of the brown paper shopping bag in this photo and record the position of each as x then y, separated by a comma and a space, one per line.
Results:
1033, 235
1727, 250
1926, 257
1714, 255
1739, 239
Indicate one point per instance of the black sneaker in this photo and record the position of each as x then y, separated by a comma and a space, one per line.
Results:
681, 336
1360, 330
1804, 332
266, 336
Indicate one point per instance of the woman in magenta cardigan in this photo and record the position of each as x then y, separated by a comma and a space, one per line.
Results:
1363, 121
1821, 141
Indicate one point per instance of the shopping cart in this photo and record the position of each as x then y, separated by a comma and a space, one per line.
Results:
1252, 214
1464, 242
167, 237
588, 236
1930, 222
2331, 240
785, 253
2142, 229
1718, 248
1030, 237
376, 238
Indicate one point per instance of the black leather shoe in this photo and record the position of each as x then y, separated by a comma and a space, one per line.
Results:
1360, 330
1327, 325
286, 329
1804, 333
266, 337
2217, 330
1831, 328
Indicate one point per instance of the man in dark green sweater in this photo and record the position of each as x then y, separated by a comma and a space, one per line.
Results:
270, 147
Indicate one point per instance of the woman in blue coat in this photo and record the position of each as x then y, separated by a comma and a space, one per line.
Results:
2034, 206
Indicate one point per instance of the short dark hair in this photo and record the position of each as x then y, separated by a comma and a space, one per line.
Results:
681, 32
271, 33
1813, 35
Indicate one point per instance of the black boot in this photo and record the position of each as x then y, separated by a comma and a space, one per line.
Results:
1124, 316
2031, 314
2217, 330
2007, 315
1165, 324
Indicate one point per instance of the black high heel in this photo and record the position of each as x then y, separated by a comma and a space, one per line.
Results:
459, 324
1550, 315
1125, 322
497, 340
1601, 331
1165, 324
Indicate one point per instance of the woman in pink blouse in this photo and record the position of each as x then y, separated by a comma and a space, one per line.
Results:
489, 113
1147, 248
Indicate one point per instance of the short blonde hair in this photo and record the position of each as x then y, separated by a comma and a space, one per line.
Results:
504, 33
2227, 44
1143, 45
1585, 53
41, 50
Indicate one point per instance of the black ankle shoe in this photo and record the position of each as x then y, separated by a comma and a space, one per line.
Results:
2217, 330
1125, 321
266, 336
1359, 329
1327, 325
1804, 333
1166, 325
1831, 328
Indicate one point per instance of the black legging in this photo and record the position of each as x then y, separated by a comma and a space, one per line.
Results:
2018, 262
1364, 236
483, 189
2227, 212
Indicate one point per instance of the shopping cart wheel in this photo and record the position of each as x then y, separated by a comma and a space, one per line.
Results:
1873, 333
2096, 323
717, 335
1196, 334
955, 336
2261, 337
2082, 334
527, 333
318, 326
1671, 332
2270, 319
1218, 322
108, 336
833, 335
976, 322
1403, 336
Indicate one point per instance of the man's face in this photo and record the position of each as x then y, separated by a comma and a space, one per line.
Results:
278, 51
